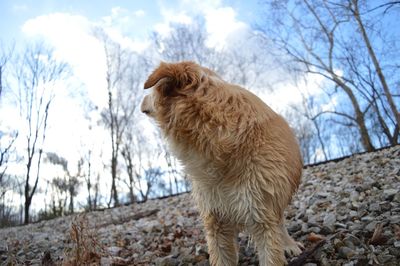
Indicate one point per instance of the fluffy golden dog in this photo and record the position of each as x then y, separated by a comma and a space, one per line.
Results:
242, 158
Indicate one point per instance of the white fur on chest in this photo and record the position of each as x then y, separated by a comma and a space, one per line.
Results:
233, 202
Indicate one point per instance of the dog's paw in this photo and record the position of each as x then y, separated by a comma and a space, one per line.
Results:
294, 249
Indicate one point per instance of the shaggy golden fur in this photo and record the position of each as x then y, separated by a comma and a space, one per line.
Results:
242, 158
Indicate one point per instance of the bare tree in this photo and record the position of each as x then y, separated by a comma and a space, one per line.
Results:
151, 175
36, 73
5, 57
311, 131
186, 42
7, 137
331, 39
68, 183
88, 179
243, 63
132, 154
354, 7
4, 159
124, 90
142, 163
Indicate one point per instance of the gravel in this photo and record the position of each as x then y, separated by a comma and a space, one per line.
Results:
352, 206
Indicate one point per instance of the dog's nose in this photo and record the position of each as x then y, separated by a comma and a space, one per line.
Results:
145, 108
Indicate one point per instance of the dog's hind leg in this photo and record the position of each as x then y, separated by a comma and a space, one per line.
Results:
292, 247
222, 241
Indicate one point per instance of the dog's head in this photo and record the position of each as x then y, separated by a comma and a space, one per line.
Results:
171, 84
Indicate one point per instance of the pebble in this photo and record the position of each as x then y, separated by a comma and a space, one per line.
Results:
390, 193
371, 226
374, 207
329, 219
340, 201
394, 219
346, 253
114, 251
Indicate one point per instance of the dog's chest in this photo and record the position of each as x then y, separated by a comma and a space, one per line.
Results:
232, 203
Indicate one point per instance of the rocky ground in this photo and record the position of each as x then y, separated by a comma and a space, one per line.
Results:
345, 213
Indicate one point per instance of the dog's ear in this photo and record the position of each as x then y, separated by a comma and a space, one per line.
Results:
174, 78
159, 76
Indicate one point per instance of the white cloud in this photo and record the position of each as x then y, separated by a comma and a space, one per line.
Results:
223, 25
20, 8
290, 92
73, 41
221, 21
200, 5
139, 13
171, 16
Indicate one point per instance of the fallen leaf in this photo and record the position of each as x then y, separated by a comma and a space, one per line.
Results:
313, 237
166, 247
397, 231
378, 238
302, 258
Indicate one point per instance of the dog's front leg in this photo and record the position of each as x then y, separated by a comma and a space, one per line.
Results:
268, 239
222, 241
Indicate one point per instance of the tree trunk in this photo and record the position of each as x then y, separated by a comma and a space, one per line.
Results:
114, 192
359, 116
1, 82
131, 194
375, 61
26, 213
71, 202
89, 186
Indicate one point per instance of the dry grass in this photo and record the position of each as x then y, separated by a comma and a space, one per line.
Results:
86, 249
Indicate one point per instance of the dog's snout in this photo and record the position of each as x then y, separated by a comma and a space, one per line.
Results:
146, 106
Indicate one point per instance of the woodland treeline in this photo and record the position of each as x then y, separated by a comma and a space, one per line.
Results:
351, 46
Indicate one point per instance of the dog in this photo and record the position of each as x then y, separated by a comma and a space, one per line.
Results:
242, 158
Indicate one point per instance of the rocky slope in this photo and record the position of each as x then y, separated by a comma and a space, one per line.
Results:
345, 213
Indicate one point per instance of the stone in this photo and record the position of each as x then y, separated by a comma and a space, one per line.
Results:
371, 226
314, 229
351, 240
374, 207
394, 219
395, 251
388, 194
346, 253
114, 251
326, 230
384, 258
294, 227
385, 206
329, 219
340, 225
396, 197
166, 261
353, 214
367, 219
105, 261
338, 243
